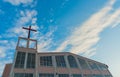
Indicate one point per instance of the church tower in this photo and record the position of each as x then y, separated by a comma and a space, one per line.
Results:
25, 57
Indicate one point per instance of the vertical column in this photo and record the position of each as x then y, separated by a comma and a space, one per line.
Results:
55, 66
89, 67
67, 64
36, 65
77, 62
37, 61
25, 65
28, 43
36, 45
76, 58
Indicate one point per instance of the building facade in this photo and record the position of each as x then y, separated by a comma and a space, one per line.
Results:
28, 62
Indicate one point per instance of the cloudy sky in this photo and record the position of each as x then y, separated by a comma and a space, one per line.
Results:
90, 28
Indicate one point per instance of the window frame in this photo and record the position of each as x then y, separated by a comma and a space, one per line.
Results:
20, 58
85, 65
60, 61
72, 61
31, 58
93, 65
47, 62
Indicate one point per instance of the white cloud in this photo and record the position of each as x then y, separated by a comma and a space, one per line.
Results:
84, 37
2, 51
3, 41
45, 41
5, 46
34, 20
18, 2
26, 17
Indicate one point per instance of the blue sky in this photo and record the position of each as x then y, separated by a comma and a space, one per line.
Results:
85, 27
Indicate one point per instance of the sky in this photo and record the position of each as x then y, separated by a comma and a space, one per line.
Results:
89, 28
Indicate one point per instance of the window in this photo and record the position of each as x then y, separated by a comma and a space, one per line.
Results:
46, 75
102, 67
46, 61
83, 63
72, 62
31, 60
18, 75
20, 60
77, 75
93, 65
60, 61
87, 75
23, 75
63, 75
98, 76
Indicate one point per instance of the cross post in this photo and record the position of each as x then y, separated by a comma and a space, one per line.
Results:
29, 29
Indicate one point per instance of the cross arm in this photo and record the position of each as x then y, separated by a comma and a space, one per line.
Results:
33, 30
25, 28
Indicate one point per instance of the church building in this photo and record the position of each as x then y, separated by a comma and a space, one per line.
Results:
28, 62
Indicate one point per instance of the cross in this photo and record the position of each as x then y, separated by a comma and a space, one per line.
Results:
29, 29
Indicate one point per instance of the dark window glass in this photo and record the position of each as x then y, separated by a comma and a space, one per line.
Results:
83, 63
46, 75
31, 60
23, 75
93, 65
18, 75
63, 75
72, 62
46, 61
20, 60
28, 75
77, 75
87, 75
60, 61
98, 76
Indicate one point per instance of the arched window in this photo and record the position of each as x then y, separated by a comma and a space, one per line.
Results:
72, 61
83, 63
